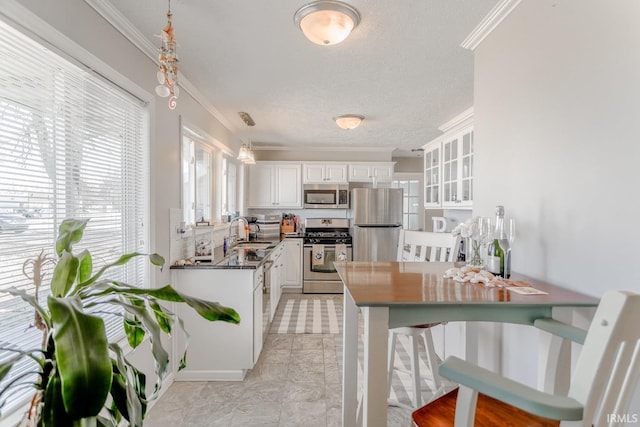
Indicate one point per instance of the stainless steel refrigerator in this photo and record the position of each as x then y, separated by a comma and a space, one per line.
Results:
377, 221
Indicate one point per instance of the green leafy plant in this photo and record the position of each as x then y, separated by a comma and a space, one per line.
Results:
83, 379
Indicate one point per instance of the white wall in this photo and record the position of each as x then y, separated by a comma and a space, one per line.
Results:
557, 130
79, 22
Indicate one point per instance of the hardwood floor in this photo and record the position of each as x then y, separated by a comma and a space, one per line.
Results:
296, 382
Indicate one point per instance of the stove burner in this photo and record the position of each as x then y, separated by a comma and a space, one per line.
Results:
327, 236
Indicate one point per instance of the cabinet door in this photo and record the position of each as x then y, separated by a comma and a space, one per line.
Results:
457, 170
383, 173
260, 188
432, 171
292, 263
288, 186
313, 174
359, 173
257, 321
336, 173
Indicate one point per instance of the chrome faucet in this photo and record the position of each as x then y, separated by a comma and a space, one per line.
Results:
230, 240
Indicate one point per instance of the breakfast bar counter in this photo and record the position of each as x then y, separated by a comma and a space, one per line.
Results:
394, 294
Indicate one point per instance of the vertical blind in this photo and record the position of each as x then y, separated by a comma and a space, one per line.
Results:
71, 146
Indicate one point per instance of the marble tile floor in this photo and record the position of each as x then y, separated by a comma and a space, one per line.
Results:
296, 382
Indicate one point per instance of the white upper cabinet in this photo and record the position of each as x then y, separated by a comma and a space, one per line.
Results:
368, 172
275, 185
321, 173
457, 170
448, 165
432, 174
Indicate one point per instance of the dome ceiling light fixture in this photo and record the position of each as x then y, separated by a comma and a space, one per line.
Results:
348, 121
327, 22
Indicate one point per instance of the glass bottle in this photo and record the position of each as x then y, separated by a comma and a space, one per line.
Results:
499, 250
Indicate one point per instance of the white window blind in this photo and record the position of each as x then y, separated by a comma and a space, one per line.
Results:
71, 146
197, 178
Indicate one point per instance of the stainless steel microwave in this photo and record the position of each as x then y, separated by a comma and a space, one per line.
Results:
326, 196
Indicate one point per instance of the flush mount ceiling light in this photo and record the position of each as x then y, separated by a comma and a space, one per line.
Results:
168, 72
349, 121
327, 22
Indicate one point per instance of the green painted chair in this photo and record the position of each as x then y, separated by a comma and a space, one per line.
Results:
603, 383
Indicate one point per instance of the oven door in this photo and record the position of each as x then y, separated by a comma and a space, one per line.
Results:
326, 270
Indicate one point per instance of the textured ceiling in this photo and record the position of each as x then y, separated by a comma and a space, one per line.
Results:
402, 67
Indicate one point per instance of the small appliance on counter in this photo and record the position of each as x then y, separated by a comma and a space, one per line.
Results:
268, 226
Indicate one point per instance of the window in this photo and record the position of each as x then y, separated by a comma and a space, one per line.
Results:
411, 205
229, 187
197, 182
71, 146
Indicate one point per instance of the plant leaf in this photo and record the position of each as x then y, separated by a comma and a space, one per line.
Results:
163, 316
6, 366
54, 413
32, 301
86, 266
209, 310
64, 274
130, 389
69, 232
82, 357
155, 259
135, 334
160, 355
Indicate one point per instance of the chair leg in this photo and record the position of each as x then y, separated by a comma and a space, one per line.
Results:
466, 407
432, 361
391, 361
415, 371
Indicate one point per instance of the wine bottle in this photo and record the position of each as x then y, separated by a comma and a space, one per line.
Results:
499, 250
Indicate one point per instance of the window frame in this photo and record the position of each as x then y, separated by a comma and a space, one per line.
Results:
23, 21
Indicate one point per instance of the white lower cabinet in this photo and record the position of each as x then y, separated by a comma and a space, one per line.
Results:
258, 339
219, 351
292, 279
276, 276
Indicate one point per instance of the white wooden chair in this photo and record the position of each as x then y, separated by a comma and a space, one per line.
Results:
603, 383
420, 246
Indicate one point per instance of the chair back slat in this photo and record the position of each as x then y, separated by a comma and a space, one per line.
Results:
427, 246
607, 370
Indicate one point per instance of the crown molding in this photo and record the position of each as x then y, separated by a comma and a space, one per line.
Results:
461, 119
114, 17
321, 148
489, 23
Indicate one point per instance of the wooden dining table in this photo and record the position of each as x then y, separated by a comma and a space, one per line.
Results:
394, 294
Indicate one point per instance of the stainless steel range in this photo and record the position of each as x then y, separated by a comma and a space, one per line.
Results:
325, 240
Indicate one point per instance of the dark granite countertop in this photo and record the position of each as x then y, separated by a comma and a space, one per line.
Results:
248, 255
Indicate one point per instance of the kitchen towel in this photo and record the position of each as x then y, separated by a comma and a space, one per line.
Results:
317, 255
341, 253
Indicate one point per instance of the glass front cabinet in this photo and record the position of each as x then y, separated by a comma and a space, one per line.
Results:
448, 168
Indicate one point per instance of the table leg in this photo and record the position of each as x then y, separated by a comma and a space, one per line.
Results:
349, 361
554, 357
374, 391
